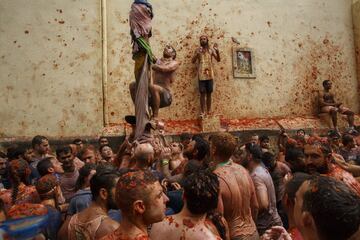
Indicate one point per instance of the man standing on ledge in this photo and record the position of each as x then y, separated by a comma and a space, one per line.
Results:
203, 57
140, 18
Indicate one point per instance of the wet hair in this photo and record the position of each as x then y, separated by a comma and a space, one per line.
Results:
201, 190
77, 140
333, 134
346, 139
104, 178
219, 221
191, 167
325, 82
255, 151
87, 148
37, 140
225, 144
84, 172
334, 207
174, 51
300, 130
63, 149
101, 148
44, 165
14, 152
292, 156
185, 136
324, 147
263, 138
269, 161
19, 173
102, 137
45, 184
133, 186
204, 35
293, 185
2, 155
202, 147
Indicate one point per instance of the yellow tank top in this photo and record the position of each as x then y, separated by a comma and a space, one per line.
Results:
205, 66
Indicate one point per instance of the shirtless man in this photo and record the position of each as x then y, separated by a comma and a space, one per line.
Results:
177, 161
142, 202
123, 156
329, 105
319, 160
201, 191
94, 222
143, 156
41, 147
164, 74
237, 198
203, 57
327, 209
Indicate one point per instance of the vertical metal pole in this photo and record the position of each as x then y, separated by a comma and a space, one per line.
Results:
104, 62
356, 26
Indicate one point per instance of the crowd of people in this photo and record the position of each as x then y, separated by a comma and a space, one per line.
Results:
200, 187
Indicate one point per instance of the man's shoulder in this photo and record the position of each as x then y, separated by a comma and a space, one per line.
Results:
223, 171
110, 223
167, 226
119, 235
81, 197
68, 176
260, 172
168, 222
283, 167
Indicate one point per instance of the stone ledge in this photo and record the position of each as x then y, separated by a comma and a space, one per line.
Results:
176, 127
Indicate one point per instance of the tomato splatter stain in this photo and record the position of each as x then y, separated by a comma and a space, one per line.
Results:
188, 223
171, 220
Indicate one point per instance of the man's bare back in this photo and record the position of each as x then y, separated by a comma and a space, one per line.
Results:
180, 227
237, 200
87, 216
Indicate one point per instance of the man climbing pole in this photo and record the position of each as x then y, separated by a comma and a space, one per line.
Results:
140, 17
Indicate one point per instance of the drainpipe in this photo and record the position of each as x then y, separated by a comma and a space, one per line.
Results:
104, 62
356, 27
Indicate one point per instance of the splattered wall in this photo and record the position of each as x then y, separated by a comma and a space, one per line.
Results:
51, 60
50, 68
356, 21
297, 44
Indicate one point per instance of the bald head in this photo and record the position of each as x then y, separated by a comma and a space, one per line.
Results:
144, 154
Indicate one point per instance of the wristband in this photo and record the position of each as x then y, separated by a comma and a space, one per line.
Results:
164, 162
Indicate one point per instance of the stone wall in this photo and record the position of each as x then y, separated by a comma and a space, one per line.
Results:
51, 62
356, 21
297, 44
50, 68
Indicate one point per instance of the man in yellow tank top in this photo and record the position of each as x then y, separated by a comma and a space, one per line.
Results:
203, 57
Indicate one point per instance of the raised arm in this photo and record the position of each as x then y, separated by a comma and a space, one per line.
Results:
216, 53
196, 56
